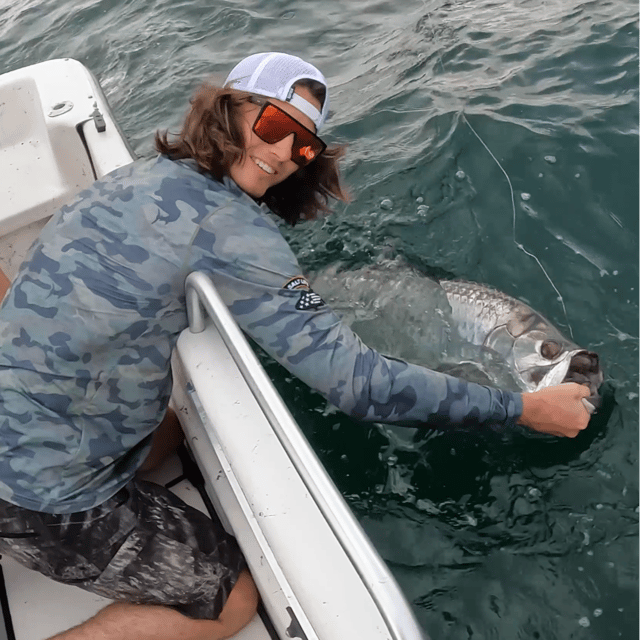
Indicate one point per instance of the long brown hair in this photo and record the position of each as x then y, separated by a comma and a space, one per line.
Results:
213, 138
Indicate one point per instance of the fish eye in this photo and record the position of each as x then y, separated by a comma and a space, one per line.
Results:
550, 349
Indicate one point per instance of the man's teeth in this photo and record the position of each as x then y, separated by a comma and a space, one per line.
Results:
263, 166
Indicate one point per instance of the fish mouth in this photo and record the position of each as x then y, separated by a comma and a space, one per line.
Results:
584, 368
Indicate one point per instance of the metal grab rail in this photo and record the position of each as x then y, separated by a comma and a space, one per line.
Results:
384, 590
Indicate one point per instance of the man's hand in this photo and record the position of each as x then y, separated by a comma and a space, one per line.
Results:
558, 411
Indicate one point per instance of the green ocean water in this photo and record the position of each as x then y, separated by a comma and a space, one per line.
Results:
478, 133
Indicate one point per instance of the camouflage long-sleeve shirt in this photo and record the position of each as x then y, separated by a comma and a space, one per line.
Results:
88, 328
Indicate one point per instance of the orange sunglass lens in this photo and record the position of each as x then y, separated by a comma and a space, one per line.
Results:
274, 124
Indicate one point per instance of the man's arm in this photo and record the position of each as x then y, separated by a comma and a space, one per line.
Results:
301, 332
255, 270
323, 352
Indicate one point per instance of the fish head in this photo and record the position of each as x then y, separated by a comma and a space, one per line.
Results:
544, 358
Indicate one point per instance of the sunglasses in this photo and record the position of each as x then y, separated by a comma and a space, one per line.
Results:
274, 124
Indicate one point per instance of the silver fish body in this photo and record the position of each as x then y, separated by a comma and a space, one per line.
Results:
454, 325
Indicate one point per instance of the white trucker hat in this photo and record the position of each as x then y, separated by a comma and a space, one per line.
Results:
273, 75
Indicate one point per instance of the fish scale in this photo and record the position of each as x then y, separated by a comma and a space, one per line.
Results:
478, 309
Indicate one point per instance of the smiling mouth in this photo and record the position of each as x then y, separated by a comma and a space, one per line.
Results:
264, 166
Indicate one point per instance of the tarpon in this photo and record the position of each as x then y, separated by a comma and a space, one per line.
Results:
449, 325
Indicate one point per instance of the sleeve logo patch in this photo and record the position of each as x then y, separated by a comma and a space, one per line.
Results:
309, 301
299, 282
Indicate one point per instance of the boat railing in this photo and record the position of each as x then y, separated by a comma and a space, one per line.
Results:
202, 297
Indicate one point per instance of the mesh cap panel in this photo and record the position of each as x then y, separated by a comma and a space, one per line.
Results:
273, 74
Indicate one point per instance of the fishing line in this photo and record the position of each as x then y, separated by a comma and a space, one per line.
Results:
519, 245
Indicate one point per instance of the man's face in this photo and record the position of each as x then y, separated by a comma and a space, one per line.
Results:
265, 165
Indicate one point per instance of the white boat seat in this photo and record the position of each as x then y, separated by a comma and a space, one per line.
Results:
57, 136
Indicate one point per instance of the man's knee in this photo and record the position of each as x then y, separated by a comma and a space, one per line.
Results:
241, 604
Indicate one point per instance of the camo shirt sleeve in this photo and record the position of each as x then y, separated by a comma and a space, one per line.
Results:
258, 277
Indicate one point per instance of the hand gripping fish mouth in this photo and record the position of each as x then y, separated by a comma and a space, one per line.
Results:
578, 366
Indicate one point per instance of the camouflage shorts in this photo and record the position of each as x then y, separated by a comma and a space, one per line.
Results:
144, 545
